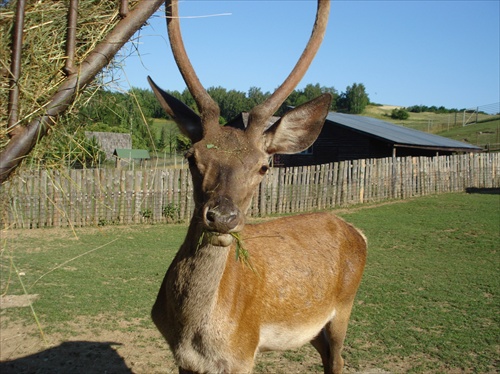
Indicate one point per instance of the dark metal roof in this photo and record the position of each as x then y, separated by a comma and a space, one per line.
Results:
397, 135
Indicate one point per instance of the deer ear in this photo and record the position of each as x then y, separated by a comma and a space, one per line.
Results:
299, 128
187, 120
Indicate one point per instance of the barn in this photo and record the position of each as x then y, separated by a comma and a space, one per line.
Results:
350, 137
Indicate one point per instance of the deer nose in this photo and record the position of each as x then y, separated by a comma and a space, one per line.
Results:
222, 216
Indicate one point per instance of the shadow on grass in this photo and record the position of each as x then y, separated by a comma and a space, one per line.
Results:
488, 191
78, 357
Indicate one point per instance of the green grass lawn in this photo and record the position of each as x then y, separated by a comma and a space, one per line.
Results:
428, 301
430, 290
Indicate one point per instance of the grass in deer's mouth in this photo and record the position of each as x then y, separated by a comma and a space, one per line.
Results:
241, 252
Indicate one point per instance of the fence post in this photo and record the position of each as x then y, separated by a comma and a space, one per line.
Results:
45, 198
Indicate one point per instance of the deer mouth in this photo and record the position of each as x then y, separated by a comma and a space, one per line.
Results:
220, 240
222, 236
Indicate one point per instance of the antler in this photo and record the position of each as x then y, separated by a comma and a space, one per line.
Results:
209, 110
260, 114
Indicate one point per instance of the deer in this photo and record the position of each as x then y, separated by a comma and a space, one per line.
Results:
302, 273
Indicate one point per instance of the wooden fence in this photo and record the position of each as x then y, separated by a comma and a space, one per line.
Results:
48, 198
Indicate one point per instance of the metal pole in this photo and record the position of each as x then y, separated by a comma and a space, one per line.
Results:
15, 69
69, 66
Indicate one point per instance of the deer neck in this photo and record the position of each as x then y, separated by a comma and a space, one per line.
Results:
197, 271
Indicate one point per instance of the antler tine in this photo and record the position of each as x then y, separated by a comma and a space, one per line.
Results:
261, 113
209, 110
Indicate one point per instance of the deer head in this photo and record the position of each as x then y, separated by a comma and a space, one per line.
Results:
228, 162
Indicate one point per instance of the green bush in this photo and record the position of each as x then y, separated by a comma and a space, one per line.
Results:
171, 212
399, 113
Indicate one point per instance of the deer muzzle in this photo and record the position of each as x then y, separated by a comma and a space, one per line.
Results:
222, 216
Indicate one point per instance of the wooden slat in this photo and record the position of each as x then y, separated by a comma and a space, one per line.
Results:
47, 198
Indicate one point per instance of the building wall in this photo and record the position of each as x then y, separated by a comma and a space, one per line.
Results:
110, 141
338, 143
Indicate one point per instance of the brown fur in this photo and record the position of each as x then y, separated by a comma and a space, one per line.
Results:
303, 268
215, 312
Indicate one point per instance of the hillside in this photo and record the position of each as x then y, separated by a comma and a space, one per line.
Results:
485, 134
450, 125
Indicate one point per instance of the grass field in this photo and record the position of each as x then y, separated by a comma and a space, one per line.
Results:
479, 134
428, 302
449, 125
422, 121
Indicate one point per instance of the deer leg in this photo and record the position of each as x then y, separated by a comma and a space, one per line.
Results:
336, 331
322, 345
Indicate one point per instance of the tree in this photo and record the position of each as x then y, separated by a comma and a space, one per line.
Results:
233, 104
335, 95
188, 99
118, 112
162, 142
354, 100
310, 91
86, 152
219, 95
146, 100
256, 96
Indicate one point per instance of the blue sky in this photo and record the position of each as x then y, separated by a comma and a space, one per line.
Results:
404, 52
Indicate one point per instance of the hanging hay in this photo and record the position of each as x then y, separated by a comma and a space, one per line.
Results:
44, 49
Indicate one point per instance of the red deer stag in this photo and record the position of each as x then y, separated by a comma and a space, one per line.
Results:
216, 313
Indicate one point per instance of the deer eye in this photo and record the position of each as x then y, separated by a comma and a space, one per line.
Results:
263, 169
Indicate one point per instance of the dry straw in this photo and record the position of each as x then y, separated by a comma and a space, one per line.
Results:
44, 51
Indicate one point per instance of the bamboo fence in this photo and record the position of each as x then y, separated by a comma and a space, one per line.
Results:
52, 198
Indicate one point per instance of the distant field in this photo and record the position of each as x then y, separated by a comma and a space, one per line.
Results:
486, 133
449, 125
171, 133
159, 123
427, 121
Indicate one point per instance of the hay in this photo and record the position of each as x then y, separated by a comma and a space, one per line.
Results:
44, 48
